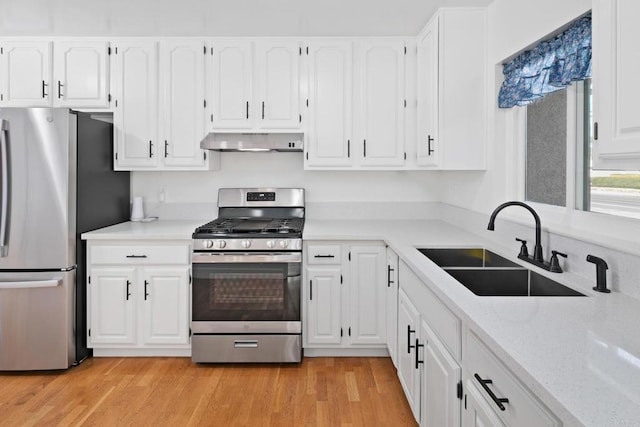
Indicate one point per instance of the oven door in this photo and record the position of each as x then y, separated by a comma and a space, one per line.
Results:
246, 293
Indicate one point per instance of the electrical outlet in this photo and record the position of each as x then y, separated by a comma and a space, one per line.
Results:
162, 196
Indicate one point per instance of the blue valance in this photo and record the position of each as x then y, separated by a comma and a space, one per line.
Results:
550, 66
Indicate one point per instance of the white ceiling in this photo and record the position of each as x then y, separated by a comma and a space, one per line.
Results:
219, 17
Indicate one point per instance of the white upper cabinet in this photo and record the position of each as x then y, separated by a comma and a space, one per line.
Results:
232, 84
72, 74
182, 103
136, 99
25, 74
81, 74
427, 84
256, 85
452, 118
616, 88
382, 103
278, 85
330, 74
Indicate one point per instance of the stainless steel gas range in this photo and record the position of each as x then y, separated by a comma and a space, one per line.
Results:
247, 277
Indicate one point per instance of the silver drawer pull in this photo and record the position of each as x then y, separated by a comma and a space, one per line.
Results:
136, 256
245, 343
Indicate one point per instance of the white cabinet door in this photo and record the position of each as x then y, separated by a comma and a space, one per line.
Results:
440, 376
278, 85
136, 100
232, 85
382, 102
112, 314
165, 298
392, 305
324, 305
367, 292
408, 326
81, 74
477, 412
182, 77
330, 68
616, 88
25, 74
428, 108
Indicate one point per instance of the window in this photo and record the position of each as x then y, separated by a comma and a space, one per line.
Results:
546, 155
550, 144
615, 192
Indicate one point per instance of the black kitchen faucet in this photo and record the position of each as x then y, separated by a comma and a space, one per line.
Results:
537, 258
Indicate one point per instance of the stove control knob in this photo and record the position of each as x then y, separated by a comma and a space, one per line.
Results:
245, 243
208, 244
284, 244
220, 244
271, 244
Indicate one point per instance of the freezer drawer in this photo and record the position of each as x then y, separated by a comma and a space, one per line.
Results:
36, 321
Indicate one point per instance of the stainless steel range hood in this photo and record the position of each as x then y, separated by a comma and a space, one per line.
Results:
219, 141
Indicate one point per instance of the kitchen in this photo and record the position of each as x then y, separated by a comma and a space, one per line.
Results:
406, 195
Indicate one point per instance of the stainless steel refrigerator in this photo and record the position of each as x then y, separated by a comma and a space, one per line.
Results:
56, 182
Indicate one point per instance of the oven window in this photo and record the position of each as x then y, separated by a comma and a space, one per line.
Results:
246, 292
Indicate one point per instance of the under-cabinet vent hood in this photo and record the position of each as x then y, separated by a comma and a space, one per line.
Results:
219, 141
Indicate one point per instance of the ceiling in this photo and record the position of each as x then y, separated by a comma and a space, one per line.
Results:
219, 17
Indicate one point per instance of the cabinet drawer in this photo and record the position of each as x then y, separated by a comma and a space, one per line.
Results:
443, 322
522, 409
139, 254
324, 254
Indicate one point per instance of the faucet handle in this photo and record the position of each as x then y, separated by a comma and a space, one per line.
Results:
524, 252
554, 265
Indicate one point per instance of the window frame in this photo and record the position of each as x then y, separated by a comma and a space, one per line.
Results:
593, 227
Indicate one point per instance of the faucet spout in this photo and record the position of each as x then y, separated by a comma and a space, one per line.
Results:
537, 250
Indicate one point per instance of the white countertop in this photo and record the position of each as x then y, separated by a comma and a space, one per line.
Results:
580, 356
154, 230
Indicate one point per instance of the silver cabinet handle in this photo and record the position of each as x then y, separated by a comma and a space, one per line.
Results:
5, 188
245, 343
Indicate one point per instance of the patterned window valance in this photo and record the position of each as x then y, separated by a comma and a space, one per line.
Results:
552, 65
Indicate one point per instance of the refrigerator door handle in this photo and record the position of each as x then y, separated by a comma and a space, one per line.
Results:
4, 188
30, 284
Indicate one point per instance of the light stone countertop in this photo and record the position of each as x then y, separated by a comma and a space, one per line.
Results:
580, 356
154, 230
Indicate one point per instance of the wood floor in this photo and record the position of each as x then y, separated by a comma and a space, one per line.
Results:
176, 392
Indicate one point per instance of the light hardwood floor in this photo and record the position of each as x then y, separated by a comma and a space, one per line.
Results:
176, 392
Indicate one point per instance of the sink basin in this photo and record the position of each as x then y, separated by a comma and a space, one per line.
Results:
488, 274
515, 282
466, 257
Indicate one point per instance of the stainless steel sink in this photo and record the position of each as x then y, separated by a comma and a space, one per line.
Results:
486, 273
466, 257
510, 282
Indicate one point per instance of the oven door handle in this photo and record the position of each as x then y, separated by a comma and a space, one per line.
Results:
228, 258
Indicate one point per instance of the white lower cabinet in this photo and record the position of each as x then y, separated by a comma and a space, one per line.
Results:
138, 299
408, 323
323, 320
497, 396
451, 381
344, 295
429, 373
440, 381
477, 412
112, 306
392, 305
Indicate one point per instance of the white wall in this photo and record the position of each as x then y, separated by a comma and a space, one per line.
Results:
286, 170
514, 25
